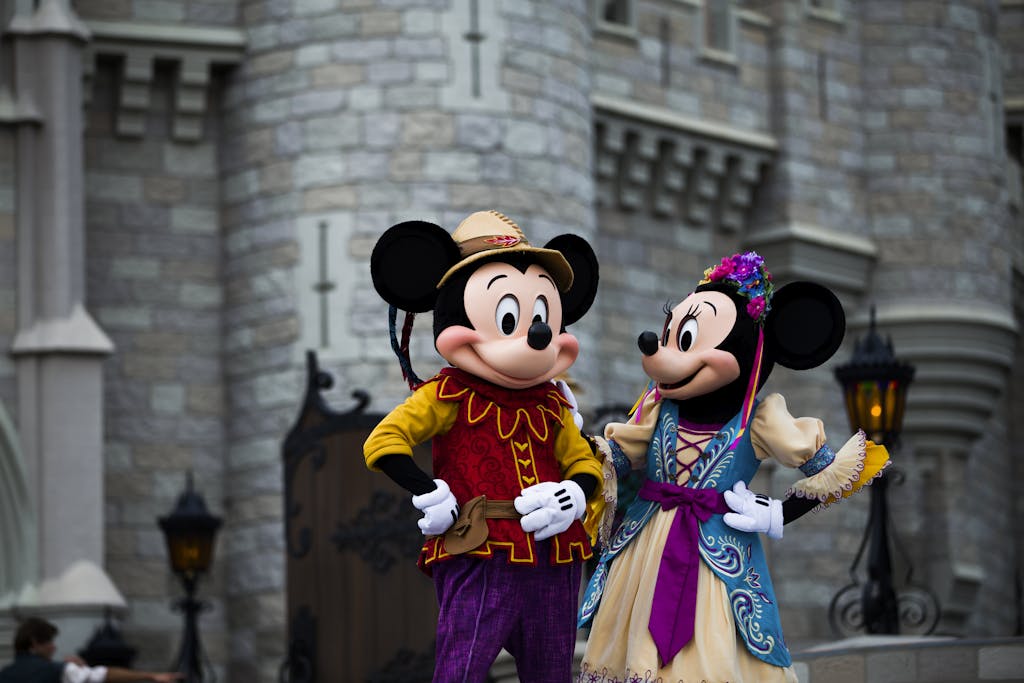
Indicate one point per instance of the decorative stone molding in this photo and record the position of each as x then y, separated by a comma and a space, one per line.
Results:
674, 167
963, 356
194, 51
800, 251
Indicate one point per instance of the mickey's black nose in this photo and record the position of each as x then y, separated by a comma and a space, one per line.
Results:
648, 343
539, 336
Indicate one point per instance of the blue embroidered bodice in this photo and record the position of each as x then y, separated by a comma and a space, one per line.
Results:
736, 557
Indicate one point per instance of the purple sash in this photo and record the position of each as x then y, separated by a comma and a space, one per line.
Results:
675, 593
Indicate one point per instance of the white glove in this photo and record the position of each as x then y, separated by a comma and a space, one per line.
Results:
753, 511
571, 398
439, 508
548, 508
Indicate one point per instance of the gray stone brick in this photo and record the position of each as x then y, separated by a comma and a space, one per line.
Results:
293, 32
525, 137
432, 72
419, 48
410, 97
419, 21
111, 186
313, 7
388, 72
131, 267
159, 10
457, 166
364, 98
480, 132
382, 131
194, 220
196, 161
334, 25
167, 399
317, 102
312, 55
353, 50
326, 133
320, 169
262, 37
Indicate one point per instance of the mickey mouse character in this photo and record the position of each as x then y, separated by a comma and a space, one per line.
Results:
682, 591
512, 472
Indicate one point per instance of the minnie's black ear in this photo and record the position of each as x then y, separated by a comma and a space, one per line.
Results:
805, 326
408, 261
578, 252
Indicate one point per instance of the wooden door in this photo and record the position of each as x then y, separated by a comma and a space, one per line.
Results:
358, 607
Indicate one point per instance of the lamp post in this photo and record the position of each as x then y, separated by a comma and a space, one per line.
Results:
875, 391
190, 531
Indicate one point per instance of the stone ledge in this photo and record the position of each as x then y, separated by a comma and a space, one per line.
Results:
963, 355
896, 659
140, 45
800, 251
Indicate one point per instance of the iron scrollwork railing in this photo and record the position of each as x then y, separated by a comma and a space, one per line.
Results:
406, 667
869, 606
381, 533
300, 664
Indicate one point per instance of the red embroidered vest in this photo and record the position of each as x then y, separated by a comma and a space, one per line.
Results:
503, 441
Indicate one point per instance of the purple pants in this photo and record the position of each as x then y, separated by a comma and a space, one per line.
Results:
490, 604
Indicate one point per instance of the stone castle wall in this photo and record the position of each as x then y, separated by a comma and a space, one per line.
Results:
206, 258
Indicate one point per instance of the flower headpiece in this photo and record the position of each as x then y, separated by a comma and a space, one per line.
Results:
752, 280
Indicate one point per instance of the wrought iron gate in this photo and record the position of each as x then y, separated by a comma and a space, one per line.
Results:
358, 608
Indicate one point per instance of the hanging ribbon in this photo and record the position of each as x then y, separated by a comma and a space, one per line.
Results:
675, 592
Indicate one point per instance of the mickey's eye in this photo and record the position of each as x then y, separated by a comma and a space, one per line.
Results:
507, 314
687, 334
540, 310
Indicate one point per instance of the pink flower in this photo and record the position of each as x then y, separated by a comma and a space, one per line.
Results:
723, 270
756, 307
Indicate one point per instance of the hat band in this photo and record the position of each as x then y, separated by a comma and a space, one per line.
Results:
475, 245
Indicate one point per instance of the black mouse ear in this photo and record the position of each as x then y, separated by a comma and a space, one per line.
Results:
578, 252
805, 327
408, 261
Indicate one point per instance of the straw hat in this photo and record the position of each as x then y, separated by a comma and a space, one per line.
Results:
489, 233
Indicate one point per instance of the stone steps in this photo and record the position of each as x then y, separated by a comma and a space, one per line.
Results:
896, 659
883, 659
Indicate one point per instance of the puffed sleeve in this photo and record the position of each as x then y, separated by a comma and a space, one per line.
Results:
623, 448
627, 442
800, 442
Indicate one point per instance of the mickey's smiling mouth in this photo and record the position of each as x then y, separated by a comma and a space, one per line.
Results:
680, 383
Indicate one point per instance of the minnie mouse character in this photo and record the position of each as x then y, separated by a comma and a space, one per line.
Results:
512, 473
682, 591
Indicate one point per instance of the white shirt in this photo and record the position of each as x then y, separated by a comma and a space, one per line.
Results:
73, 673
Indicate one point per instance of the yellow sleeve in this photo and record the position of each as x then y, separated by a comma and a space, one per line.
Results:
573, 452
419, 418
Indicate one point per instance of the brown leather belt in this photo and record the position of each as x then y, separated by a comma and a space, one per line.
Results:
470, 529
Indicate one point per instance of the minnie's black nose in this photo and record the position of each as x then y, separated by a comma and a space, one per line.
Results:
539, 336
648, 343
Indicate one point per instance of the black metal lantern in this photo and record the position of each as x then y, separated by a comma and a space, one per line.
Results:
875, 391
875, 388
190, 531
